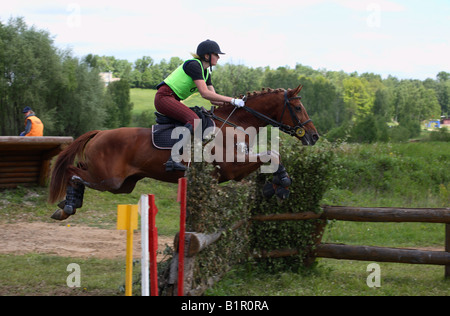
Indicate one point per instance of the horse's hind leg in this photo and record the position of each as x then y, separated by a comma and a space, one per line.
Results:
74, 200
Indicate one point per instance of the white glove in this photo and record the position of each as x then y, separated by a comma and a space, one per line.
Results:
238, 103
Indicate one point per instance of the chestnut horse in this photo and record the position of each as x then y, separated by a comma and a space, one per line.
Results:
114, 160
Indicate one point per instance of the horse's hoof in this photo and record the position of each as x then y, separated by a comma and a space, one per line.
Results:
282, 193
59, 215
286, 182
69, 210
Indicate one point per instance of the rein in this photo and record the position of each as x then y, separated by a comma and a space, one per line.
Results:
297, 130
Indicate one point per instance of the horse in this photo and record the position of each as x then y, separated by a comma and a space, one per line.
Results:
115, 160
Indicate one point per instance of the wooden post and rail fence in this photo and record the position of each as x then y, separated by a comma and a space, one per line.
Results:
189, 244
198, 242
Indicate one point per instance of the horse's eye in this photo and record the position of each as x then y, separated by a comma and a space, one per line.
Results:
298, 108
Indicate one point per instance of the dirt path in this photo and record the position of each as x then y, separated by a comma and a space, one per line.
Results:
69, 241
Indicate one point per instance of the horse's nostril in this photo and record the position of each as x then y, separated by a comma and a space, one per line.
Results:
315, 137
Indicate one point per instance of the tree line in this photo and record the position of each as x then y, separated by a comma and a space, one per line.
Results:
65, 91
69, 96
359, 107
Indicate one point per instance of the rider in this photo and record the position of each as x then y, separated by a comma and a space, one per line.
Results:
192, 76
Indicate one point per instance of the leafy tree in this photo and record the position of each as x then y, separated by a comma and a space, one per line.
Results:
413, 102
167, 68
30, 72
356, 97
443, 95
283, 77
383, 104
443, 76
234, 80
365, 130
80, 106
119, 105
143, 63
322, 101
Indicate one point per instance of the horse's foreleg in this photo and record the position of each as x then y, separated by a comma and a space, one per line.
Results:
251, 162
281, 180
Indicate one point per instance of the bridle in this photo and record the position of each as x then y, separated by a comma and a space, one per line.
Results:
297, 130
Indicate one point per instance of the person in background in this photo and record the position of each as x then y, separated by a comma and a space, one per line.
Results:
33, 125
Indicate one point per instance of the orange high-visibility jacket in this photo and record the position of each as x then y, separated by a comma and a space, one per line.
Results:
37, 128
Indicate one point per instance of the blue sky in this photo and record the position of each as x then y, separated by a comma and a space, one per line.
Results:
403, 38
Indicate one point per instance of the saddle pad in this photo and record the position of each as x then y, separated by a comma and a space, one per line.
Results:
161, 134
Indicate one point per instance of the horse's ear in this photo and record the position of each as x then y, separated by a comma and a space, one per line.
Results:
296, 91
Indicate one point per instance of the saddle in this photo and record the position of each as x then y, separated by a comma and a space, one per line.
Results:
161, 133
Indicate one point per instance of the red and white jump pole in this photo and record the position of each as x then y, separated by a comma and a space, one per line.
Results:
149, 245
149, 241
182, 193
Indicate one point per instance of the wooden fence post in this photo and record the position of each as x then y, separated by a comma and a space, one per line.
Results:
447, 248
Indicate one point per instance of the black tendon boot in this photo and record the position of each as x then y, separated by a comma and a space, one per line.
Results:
178, 166
74, 198
282, 182
281, 177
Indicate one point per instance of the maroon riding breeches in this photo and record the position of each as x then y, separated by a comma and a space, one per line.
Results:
168, 103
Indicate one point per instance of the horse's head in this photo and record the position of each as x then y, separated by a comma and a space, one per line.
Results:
283, 108
298, 118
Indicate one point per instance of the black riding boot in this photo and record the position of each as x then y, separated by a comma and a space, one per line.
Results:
178, 166
174, 166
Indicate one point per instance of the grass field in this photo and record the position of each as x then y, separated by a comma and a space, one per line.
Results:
143, 100
144, 108
402, 175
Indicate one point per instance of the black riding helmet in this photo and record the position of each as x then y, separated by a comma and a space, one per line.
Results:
208, 47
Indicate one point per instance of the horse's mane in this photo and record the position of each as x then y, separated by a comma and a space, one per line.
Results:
253, 95
264, 91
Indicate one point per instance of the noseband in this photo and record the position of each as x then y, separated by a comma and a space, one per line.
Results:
297, 130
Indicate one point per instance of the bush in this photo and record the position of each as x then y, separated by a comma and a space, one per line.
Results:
311, 169
443, 135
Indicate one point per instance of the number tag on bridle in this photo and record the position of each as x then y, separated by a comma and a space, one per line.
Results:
300, 132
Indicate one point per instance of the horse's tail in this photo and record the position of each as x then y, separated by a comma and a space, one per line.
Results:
64, 169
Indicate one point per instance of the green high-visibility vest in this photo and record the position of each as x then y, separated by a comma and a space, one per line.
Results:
181, 83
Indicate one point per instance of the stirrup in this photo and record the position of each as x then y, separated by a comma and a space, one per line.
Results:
174, 166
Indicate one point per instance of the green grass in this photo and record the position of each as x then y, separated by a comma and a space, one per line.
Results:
45, 275
384, 175
143, 111
143, 100
336, 278
386, 234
